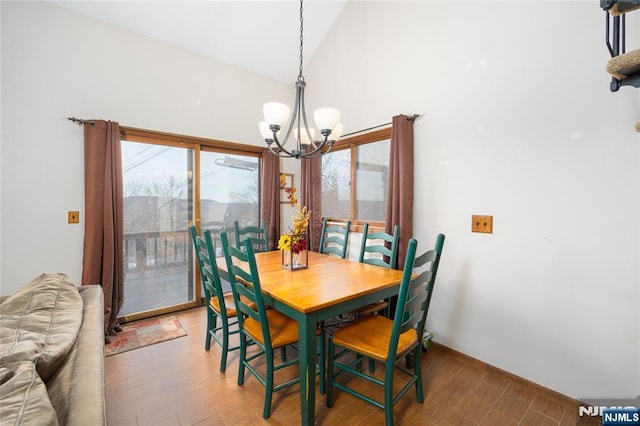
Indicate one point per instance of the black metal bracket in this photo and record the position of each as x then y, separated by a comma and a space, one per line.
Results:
615, 35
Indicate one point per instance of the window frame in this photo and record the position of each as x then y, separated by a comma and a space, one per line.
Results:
152, 136
351, 143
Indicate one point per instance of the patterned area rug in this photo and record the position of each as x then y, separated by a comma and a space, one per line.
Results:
144, 333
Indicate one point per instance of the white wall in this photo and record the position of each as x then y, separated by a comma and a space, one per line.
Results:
518, 122
57, 64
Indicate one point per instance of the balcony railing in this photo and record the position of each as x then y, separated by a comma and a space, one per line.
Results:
158, 269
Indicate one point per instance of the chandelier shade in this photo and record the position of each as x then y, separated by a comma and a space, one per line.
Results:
276, 113
326, 118
276, 116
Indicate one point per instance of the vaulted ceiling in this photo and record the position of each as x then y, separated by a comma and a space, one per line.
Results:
258, 35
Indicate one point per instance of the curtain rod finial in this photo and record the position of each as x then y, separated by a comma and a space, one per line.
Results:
80, 122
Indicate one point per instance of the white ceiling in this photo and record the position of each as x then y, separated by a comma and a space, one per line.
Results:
259, 35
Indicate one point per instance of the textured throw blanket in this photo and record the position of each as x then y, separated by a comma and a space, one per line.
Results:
38, 326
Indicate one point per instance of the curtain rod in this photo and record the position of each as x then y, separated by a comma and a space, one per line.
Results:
80, 121
412, 118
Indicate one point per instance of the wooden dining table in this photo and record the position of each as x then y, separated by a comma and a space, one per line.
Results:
330, 286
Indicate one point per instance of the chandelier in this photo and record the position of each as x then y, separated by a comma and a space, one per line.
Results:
276, 115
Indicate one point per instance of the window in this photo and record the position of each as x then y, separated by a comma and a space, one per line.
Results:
354, 178
336, 192
372, 173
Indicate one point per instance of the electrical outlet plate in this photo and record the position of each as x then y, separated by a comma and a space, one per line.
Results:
74, 217
480, 223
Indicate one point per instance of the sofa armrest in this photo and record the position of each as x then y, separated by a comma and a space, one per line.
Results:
88, 394
78, 390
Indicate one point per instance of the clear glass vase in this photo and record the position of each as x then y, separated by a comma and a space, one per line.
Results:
295, 261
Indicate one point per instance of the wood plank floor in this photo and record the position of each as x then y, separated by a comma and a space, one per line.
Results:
178, 383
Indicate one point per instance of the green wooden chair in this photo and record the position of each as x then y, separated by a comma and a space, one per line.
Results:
334, 239
383, 252
267, 328
389, 341
257, 234
379, 254
219, 305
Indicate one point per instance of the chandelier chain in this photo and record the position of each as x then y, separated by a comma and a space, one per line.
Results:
300, 77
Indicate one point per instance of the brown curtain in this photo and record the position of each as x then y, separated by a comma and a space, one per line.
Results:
400, 186
311, 196
270, 197
102, 261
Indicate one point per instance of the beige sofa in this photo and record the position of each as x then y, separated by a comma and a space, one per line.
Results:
52, 354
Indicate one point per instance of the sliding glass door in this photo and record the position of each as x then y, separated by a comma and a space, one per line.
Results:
171, 182
158, 207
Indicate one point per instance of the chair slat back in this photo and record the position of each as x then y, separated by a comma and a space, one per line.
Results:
415, 293
429, 262
245, 283
386, 248
256, 234
334, 238
205, 259
202, 258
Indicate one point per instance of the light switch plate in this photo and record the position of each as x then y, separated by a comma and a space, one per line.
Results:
481, 223
74, 216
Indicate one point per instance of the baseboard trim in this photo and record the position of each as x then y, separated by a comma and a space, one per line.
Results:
483, 365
